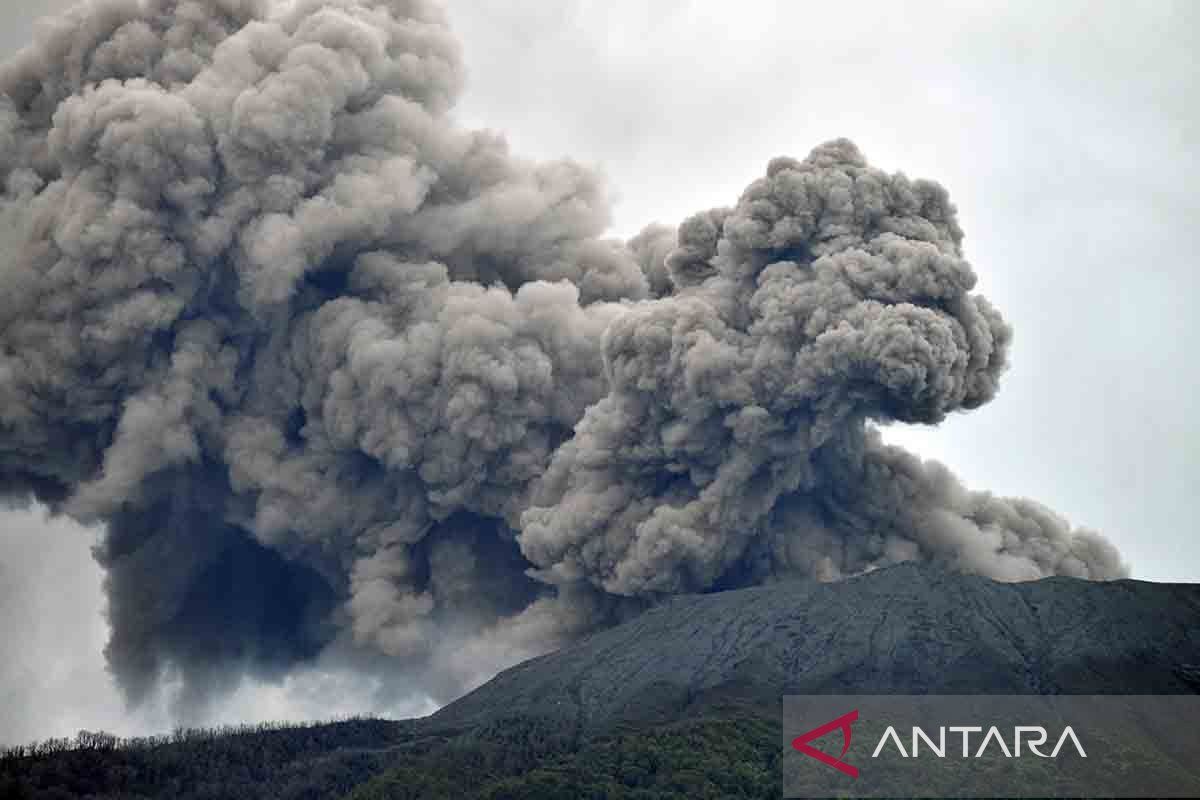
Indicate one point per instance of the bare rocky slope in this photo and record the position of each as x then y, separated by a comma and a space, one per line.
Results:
912, 628
682, 701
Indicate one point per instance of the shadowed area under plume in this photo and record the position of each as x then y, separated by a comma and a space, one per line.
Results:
340, 376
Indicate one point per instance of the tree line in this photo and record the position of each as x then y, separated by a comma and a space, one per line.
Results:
107, 742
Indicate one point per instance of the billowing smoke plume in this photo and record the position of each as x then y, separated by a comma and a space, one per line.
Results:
336, 373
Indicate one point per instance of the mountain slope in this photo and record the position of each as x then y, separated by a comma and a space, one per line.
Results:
911, 628
683, 701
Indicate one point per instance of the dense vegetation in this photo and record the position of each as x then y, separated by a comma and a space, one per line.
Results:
284, 761
731, 755
714, 757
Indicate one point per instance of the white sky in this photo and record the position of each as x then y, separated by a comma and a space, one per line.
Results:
1064, 131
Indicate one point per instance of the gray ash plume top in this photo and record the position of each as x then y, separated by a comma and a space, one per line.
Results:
338, 375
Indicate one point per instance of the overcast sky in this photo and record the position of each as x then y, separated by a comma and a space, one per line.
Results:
1064, 132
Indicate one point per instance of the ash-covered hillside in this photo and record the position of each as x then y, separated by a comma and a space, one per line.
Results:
906, 629
684, 700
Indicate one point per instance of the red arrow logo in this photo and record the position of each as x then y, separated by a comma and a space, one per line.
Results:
844, 722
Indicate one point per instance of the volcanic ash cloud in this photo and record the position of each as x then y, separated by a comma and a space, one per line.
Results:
339, 376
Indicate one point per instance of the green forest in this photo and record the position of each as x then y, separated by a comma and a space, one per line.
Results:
729, 755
